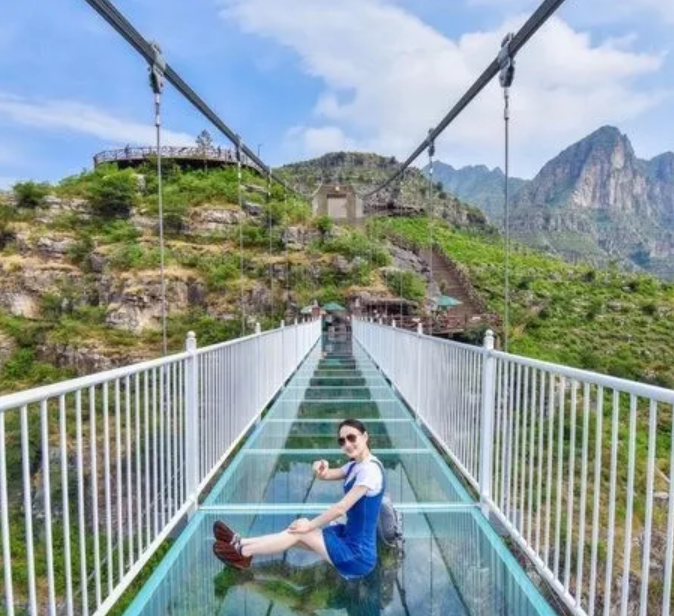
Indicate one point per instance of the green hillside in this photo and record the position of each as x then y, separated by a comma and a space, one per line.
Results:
602, 320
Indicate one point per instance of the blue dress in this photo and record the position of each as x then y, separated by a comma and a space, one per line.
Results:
352, 547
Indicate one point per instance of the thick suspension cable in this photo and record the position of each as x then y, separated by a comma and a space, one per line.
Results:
157, 84
540, 16
107, 10
431, 154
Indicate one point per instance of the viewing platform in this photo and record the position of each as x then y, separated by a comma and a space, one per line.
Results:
191, 157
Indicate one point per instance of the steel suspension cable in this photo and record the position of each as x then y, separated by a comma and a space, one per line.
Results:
431, 153
400, 214
108, 11
506, 76
533, 24
240, 199
271, 252
157, 85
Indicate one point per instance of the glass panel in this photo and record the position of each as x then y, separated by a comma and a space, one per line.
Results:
338, 409
323, 435
450, 566
293, 392
340, 380
286, 477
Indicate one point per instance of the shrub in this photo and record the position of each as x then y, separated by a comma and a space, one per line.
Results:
219, 272
80, 250
30, 194
135, 256
114, 194
324, 224
406, 284
120, 231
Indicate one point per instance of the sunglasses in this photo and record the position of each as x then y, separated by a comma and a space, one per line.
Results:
352, 438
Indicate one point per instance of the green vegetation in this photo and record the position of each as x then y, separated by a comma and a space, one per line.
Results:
406, 284
30, 194
602, 320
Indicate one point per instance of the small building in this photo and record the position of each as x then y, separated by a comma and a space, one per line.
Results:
340, 202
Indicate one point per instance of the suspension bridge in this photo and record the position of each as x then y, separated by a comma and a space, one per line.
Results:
526, 487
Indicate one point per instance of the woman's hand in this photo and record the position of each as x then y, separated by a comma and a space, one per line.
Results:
321, 468
300, 526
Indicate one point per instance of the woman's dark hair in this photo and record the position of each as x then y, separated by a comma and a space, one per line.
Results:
352, 423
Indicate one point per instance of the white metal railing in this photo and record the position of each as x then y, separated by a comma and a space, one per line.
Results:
576, 465
95, 472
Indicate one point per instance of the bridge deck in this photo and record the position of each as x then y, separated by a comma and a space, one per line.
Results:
453, 562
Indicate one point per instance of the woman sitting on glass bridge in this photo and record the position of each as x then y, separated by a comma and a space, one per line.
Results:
350, 547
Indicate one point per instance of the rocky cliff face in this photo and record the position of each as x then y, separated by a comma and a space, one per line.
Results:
596, 201
478, 185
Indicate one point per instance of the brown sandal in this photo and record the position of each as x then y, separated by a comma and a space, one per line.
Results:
222, 532
229, 555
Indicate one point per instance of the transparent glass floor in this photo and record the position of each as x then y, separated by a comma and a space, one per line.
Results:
453, 563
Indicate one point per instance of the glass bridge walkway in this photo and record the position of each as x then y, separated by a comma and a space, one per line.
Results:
453, 563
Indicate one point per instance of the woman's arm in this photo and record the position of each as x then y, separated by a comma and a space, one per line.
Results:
323, 471
336, 511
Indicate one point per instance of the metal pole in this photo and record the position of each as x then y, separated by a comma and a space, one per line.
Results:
192, 421
487, 427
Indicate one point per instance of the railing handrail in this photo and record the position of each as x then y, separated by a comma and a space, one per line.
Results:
552, 452
127, 453
35, 394
660, 394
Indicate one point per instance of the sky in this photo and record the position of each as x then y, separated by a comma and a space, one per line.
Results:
299, 78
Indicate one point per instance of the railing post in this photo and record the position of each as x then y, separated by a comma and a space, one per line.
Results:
420, 331
257, 381
487, 426
191, 422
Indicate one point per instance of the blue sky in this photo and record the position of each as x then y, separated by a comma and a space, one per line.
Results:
303, 77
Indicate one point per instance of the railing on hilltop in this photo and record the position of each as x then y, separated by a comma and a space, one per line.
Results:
137, 154
97, 471
577, 466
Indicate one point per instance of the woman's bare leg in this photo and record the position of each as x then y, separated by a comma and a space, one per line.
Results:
280, 542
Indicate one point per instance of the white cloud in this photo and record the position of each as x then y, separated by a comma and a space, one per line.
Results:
73, 116
596, 11
316, 141
388, 77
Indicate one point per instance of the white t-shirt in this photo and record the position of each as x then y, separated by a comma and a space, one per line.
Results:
367, 473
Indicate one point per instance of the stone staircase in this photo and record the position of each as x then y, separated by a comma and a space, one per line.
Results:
449, 279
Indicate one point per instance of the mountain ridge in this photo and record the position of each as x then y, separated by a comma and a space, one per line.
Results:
595, 201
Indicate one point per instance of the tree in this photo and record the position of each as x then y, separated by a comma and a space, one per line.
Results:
204, 143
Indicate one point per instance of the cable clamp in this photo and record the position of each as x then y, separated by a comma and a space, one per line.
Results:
431, 144
506, 62
157, 69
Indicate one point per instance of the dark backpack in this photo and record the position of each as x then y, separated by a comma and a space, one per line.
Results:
390, 522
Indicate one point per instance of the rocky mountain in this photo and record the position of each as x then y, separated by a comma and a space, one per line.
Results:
477, 185
596, 201
406, 197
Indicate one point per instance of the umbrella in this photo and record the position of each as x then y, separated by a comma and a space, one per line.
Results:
333, 307
444, 301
